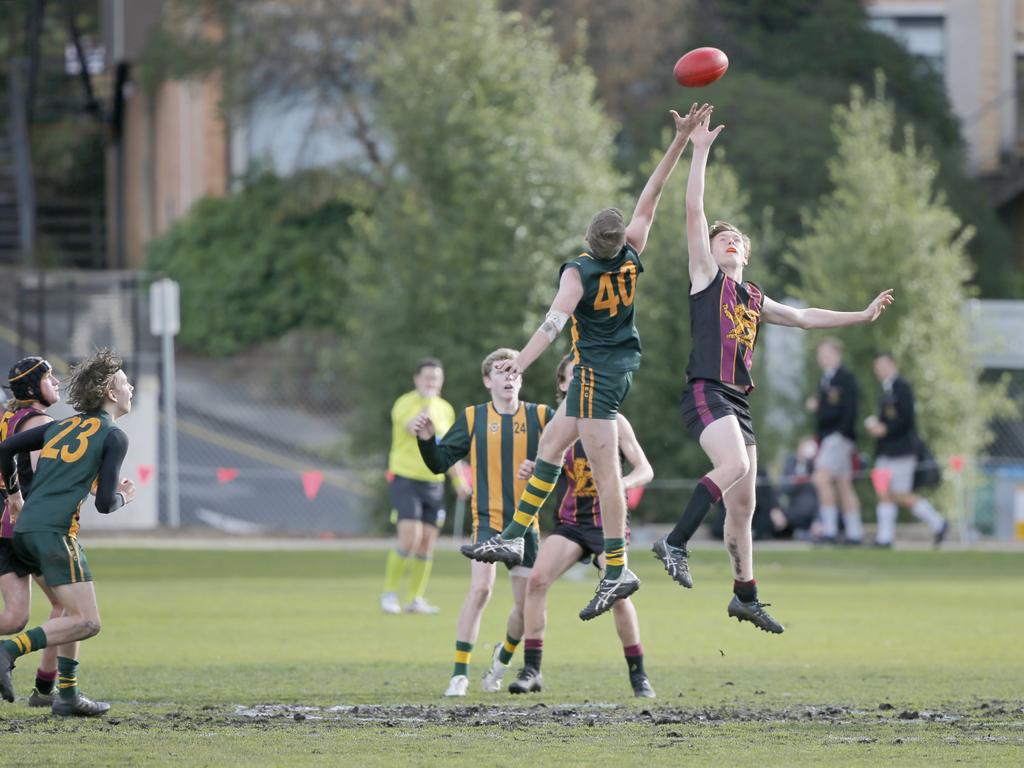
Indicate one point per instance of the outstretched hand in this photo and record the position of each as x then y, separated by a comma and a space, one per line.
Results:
423, 427
703, 135
510, 368
685, 125
876, 307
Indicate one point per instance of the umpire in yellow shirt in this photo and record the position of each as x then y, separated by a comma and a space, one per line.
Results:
417, 494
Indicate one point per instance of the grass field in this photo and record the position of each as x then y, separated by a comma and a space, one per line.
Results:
283, 658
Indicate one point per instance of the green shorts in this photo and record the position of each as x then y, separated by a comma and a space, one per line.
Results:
595, 394
482, 533
56, 557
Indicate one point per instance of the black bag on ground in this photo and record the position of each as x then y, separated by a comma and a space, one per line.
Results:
927, 473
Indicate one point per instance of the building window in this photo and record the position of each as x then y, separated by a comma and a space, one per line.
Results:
923, 36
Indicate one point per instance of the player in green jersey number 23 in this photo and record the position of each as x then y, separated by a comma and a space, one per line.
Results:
73, 453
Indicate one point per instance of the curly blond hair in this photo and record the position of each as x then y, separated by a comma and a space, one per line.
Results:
89, 380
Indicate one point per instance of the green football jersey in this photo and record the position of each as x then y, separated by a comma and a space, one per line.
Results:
68, 465
603, 334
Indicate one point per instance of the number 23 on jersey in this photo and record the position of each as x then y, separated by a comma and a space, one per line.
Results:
77, 431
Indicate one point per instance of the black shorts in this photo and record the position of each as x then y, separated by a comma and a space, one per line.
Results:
417, 500
9, 562
590, 539
705, 401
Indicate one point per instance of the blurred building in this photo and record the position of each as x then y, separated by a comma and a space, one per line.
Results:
977, 47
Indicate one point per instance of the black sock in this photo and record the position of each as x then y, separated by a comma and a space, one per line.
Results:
635, 660
745, 590
532, 653
45, 681
704, 495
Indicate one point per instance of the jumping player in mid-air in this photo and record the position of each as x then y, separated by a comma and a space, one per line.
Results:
725, 316
598, 289
35, 388
73, 454
498, 436
577, 536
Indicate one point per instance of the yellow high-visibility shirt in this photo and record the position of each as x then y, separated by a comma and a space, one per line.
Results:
404, 459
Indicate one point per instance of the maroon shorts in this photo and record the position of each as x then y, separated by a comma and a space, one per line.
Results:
705, 401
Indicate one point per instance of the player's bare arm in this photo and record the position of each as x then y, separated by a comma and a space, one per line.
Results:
570, 291
642, 472
702, 265
643, 215
813, 317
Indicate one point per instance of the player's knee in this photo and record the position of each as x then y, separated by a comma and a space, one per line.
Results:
480, 595
88, 628
13, 623
538, 584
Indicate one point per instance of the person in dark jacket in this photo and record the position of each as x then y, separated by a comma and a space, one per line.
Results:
895, 430
835, 410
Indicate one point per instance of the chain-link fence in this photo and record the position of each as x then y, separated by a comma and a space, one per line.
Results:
261, 439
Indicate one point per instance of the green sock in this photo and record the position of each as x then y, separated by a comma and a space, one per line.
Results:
463, 651
26, 642
394, 569
615, 557
67, 680
508, 648
537, 490
419, 574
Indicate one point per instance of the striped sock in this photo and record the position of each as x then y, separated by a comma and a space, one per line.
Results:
615, 557
463, 652
394, 569
538, 487
67, 683
26, 642
508, 648
419, 575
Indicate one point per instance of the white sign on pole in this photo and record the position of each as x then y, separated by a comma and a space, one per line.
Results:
164, 308
165, 322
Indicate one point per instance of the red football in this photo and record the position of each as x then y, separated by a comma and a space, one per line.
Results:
700, 67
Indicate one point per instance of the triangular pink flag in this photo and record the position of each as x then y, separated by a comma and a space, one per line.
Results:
633, 496
145, 472
311, 482
880, 478
226, 474
956, 462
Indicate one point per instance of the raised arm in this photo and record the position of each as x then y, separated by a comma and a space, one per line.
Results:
570, 291
444, 455
702, 265
642, 472
812, 317
643, 215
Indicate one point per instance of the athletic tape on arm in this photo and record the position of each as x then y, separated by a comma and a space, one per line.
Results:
553, 324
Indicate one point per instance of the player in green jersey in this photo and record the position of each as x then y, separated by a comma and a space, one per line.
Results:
499, 436
73, 454
598, 289
35, 388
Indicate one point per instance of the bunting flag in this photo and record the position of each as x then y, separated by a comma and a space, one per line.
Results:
633, 496
880, 478
226, 474
311, 482
145, 472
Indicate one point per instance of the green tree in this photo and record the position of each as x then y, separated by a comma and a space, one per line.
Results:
500, 155
885, 225
259, 263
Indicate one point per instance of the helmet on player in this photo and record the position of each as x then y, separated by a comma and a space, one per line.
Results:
25, 379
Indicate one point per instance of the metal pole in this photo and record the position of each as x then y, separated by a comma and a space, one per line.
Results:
170, 429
